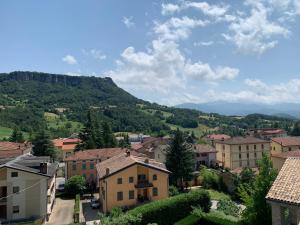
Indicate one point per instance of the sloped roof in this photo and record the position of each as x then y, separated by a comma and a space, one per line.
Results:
218, 136
286, 155
12, 149
95, 154
203, 148
123, 161
286, 187
287, 141
243, 140
30, 163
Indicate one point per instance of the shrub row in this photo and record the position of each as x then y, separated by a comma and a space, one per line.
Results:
169, 211
219, 218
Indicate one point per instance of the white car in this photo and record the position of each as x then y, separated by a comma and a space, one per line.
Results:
95, 203
61, 187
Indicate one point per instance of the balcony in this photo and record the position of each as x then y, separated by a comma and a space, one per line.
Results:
143, 184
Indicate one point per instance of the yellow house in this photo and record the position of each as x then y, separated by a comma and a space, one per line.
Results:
278, 159
126, 180
284, 144
239, 152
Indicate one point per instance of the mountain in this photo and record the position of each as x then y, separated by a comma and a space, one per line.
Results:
287, 110
59, 104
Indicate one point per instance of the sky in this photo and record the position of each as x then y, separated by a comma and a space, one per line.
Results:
169, 52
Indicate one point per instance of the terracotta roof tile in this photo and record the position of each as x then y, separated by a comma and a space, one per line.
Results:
286, 155
95, 154
202, 148
243, 140
287, 141
12, 149
286, 187
122, 161
218, 136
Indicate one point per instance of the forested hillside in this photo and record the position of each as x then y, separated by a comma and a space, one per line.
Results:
31, 100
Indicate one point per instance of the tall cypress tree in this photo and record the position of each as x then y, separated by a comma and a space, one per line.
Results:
42, 145
109, 140
180, 160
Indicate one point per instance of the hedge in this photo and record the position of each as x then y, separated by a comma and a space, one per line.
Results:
219, 218
189, 220
171, 210
77, 208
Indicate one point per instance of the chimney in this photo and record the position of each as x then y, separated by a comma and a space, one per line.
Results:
127, 153
107, 171
43, 167
147, 160
223, 139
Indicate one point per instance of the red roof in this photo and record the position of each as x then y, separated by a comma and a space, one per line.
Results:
90, 154
12, 149
287, 141
286, 155
202, 148
274, 131
66, 143
218, 136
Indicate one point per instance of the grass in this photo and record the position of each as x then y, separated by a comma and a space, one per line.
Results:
5, 132
55, 121
189, 220
216, 195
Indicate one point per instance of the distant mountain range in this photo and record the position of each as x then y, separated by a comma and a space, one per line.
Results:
287, 110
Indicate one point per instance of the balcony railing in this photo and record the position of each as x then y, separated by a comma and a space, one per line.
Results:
3, 199
143, 184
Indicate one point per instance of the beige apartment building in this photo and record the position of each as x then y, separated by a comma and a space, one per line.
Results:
27, 188
126, 180
284, 144
240, 152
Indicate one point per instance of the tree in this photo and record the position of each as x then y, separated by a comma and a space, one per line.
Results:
257, 210
180, 160
75, 185
296, 130
16, 136
42, 145
109, 140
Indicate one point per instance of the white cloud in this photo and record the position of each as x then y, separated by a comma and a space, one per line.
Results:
128, 22
167, 9
254, 34
95, 53
204, 7
69, 59
163, 69
260, 92
177, 28
203, 43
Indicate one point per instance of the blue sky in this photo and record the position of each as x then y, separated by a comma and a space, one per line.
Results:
168, 52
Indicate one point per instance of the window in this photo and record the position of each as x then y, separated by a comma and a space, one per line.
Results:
130, 179
154, 177
16, 209
255, 154
248, 163
274, 148
223, 147
262, 146
154, 191
16, 189
197, 155
131, 194
119, 181
158, 155
247, 155
91, 165
254, 146
83, 165
74, 165
141, 177
240, 155
91, 175
120, 196
84, 175
290, 149
14, 174
204, 154
247, 147
241, 163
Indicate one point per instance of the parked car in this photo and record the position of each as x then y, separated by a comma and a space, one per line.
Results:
95, 203
61, 187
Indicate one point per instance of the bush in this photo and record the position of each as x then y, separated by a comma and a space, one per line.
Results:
173, 191
189, 220
210, 179
169, 211
124, 219
75, 185
228, 207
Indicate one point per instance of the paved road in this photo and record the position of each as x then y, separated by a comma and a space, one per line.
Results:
62, 212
